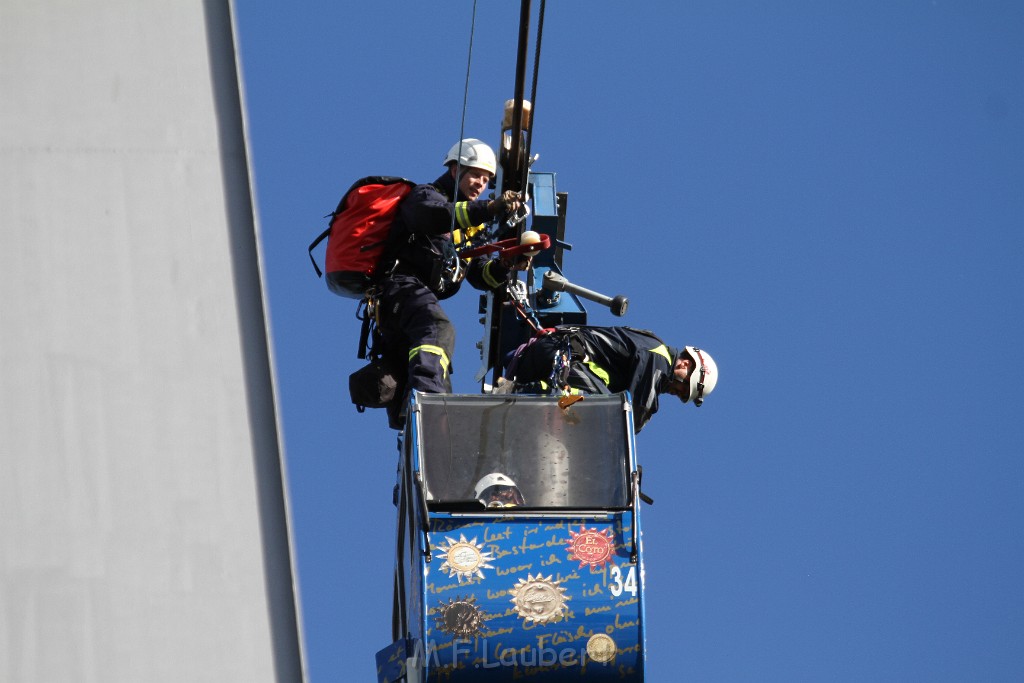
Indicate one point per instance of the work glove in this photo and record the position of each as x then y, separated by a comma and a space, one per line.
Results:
498, 269
508, 202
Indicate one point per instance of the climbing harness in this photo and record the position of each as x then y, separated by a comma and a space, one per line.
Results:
367, 312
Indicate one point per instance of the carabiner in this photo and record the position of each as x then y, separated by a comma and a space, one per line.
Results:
519, 215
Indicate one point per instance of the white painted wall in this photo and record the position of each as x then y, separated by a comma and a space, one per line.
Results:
143, 521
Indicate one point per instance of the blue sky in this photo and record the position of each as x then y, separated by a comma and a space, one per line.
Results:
829, 197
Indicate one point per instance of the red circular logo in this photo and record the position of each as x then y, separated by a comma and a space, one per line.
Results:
590, 546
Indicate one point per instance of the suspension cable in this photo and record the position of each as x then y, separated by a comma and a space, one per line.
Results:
462, 122
533, 96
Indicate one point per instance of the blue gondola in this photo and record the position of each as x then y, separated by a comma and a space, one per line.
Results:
548, 590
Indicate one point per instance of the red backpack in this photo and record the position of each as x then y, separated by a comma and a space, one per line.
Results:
358, 233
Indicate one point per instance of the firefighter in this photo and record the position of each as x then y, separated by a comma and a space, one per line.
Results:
497, 490
612, 359
420, 265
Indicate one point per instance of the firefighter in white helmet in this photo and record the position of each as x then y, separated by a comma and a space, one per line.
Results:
497, 490
420, 267
585, 359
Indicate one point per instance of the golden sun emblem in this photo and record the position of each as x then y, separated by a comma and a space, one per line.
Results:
464, 559
539, 599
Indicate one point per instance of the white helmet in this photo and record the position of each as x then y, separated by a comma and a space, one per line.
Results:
474, 154
704, 376
498, 490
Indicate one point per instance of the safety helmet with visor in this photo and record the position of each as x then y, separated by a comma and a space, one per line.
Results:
703, 377
472, 153
498, 490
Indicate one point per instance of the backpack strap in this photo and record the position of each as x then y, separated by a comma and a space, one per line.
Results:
330, 222
313, 246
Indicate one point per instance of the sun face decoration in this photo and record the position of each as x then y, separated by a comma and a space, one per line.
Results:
465, 559
539, 599
460, 617
591, 546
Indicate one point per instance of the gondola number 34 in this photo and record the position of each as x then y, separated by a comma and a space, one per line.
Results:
620, 585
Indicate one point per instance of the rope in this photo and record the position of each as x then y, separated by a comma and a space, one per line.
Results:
465, 99
533, 114
533, 95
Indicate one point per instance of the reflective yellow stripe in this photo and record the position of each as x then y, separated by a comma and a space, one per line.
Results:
436, 350
459, 236
599, 371
488, 278
462, 214
663, 352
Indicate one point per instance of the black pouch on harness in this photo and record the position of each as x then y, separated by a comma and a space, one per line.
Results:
375, 385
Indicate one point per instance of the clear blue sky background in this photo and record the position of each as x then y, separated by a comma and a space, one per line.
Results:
827, 196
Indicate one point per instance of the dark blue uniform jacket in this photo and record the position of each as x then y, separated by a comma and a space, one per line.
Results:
420, 243
623, 358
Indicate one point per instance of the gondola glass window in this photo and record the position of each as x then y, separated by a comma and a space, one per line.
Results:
575, 457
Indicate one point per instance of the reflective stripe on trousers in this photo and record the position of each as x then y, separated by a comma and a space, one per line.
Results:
430, 348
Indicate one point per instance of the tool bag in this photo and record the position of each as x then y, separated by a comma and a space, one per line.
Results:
375, 385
